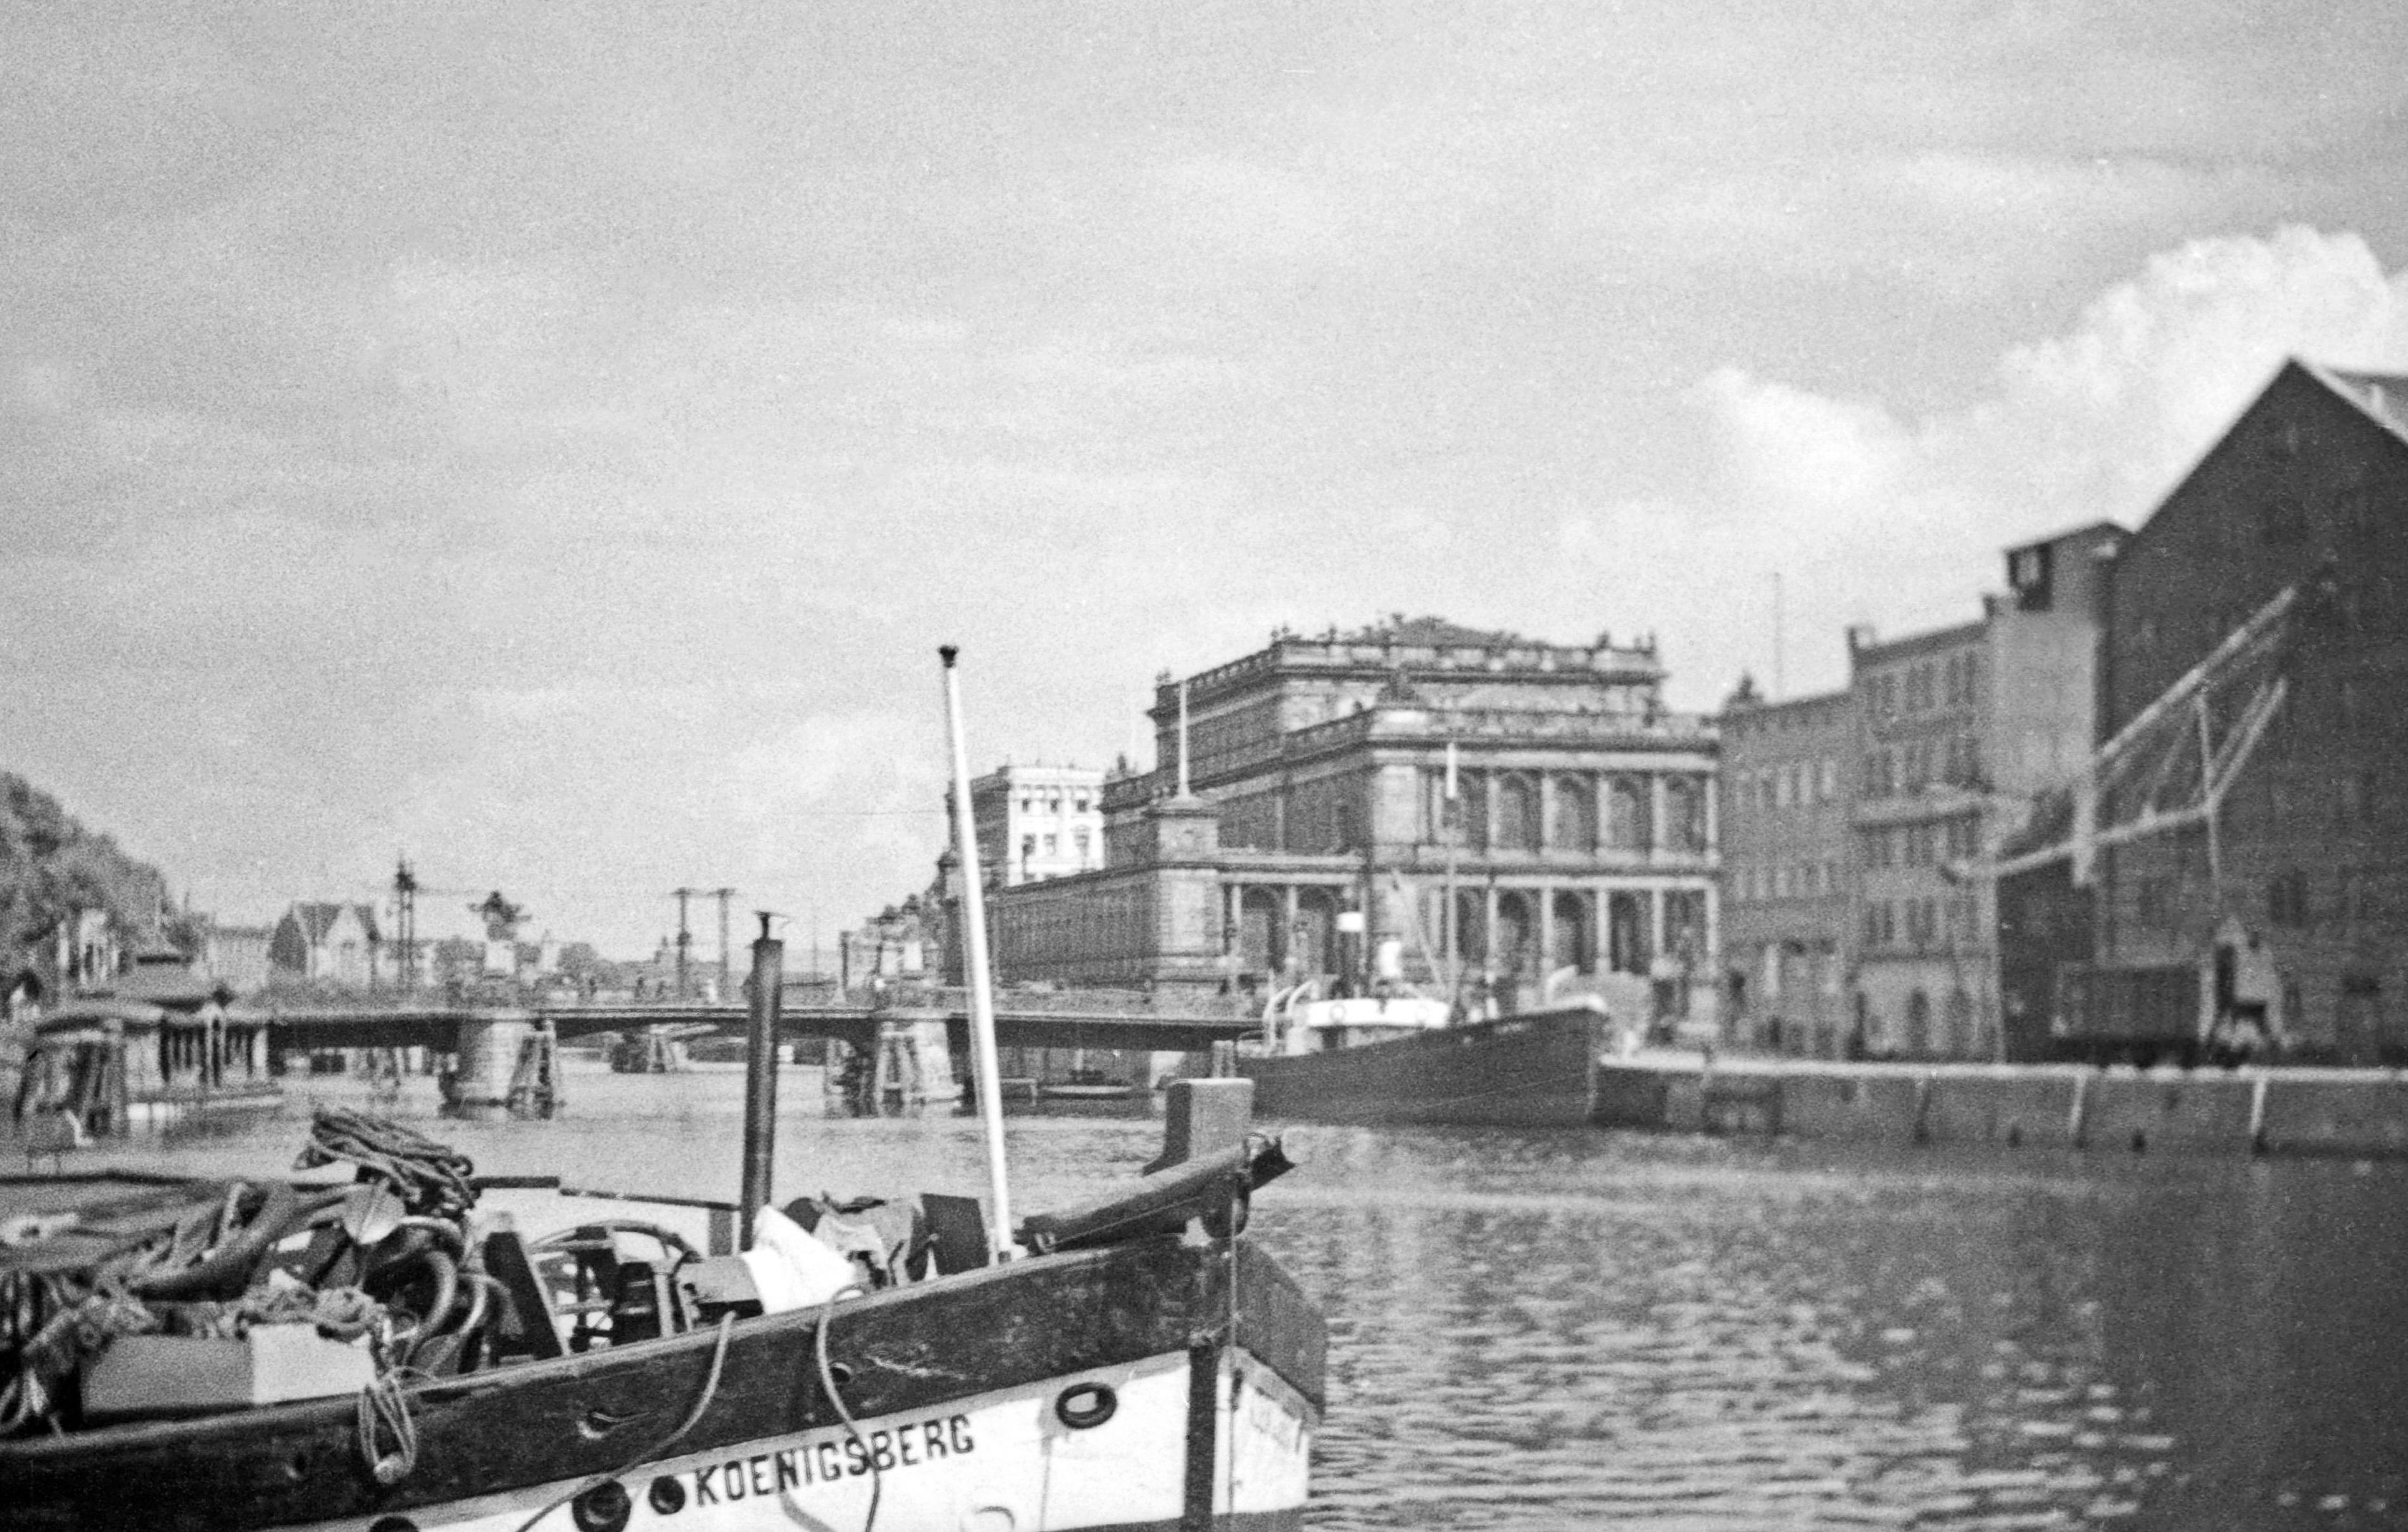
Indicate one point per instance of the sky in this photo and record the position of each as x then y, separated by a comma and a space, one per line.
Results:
551, 441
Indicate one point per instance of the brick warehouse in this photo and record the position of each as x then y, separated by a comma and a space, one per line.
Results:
1583, 836
2234, 862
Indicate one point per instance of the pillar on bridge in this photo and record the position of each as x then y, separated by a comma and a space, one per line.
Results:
490, 1047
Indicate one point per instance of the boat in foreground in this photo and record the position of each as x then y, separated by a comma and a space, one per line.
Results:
1405, 1060
1145, 1380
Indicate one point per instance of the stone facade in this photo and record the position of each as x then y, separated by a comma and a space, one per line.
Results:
1581, 841
1786, 793
1038, 822
1959, 730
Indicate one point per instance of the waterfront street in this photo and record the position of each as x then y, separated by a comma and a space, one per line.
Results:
1594, 1329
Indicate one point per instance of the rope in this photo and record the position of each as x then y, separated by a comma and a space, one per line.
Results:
431, 1177
694, 1418
384, 1410
828, 1381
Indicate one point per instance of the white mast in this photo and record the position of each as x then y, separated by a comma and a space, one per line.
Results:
981, 983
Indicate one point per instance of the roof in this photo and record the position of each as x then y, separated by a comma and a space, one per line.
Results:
2383, 396
317, 917
1436, 632
1931, 640
79, 1014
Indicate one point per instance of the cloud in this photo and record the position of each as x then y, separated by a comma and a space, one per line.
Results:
1877, 514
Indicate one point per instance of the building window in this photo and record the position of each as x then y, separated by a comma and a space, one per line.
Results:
1828, 775
1684, 814
1877, 774
1573, 814
1626, 825
1517, 813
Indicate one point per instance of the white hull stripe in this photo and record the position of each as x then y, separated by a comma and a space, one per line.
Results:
1006, 1461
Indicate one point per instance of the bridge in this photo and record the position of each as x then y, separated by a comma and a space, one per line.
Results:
1049, 1020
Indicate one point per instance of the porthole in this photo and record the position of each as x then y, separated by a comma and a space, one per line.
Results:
1082, 1406
668, 1496
605, 1507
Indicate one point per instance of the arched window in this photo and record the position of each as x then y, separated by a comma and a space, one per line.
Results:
1684, 814
1575, 944
1315, 936
1627, 827
1626, 933
1517, 813
1514, 948
1472, 808
1573, 814
1261, 944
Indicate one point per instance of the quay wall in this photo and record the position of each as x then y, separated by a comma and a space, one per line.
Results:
2354, 1113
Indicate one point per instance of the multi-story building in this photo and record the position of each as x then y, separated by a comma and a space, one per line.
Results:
1785, 791
1959, 730
1038, 822
2233, 865
1300, 828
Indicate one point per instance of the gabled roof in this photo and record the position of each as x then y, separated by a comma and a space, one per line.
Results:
317, 917
2381, 395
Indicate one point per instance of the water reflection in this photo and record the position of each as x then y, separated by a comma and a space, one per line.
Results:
1604, 1331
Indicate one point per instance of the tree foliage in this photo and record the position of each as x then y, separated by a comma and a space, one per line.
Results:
51, 864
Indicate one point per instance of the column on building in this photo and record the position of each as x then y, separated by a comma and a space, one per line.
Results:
1545, 934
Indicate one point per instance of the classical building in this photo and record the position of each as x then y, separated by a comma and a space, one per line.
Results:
1301, 827
1786, 789
2232, 864
1038, 822
1959, 730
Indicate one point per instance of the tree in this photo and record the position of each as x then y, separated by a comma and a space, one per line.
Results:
51, 865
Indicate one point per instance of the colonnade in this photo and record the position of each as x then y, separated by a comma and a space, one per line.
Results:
1647, 910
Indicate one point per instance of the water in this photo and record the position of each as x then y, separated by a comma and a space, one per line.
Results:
1590, 1330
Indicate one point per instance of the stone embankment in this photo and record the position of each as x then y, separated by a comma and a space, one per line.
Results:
2351, 1113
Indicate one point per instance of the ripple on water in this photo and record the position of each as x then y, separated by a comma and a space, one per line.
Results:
1686, 1335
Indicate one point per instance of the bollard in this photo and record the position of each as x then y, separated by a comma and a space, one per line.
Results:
761, 1073
1202, 1117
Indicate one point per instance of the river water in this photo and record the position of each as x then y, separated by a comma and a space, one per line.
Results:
1611, 1330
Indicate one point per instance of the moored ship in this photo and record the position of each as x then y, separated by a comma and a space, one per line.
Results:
1408, 1060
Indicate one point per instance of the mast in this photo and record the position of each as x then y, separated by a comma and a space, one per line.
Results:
982, 1050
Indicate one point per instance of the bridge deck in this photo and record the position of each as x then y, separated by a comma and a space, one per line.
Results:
439, 1026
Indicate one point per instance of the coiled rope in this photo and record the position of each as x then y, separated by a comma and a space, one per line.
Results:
432, 1178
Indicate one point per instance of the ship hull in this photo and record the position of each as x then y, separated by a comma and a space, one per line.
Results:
1533, 1070
974, 1402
